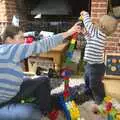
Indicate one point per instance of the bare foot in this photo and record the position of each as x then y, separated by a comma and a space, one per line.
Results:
94, 108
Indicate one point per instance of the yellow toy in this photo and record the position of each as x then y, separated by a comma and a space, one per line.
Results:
74, 110
107, 109
118, 116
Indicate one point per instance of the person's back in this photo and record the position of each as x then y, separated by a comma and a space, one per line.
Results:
96, 37
11, 75
95, 48
12, 51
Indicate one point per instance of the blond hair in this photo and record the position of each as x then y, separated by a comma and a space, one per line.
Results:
108, 24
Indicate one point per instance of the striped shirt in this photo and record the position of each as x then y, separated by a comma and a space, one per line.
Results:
95, 39
11, 75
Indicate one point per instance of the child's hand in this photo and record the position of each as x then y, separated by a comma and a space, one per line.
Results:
82, 13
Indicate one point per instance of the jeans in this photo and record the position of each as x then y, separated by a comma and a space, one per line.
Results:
20, 112
94, 86
38, 88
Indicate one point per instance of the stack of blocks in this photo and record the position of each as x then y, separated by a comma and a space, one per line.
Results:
68, 105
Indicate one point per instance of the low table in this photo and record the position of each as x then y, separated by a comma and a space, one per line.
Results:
57, 54
52, 59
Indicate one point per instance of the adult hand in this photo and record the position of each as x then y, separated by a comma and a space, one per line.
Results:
76, 28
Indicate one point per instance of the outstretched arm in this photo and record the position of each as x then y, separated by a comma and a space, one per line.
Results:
22, 51
90, 28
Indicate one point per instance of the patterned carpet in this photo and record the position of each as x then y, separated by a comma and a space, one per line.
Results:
86, 112
85, 108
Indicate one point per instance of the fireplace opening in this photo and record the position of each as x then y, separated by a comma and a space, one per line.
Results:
55, 15
52, 7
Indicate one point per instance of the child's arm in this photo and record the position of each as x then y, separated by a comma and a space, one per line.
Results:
90, 28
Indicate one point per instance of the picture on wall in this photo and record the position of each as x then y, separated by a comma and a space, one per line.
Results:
112, 61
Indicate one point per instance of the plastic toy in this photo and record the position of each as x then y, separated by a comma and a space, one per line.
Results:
118, 116
107, 109
66, 103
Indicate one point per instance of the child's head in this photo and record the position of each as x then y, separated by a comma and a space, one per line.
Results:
12, 34
107, 24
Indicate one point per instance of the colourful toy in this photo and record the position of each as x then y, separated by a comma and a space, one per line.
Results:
68, 105
81, 21
107, 109
118, 116
29, 39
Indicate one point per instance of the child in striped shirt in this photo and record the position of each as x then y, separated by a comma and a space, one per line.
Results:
12, 85
94, 50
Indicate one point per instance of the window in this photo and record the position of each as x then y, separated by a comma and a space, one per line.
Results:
114, 8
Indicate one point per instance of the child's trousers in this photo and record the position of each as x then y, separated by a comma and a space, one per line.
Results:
94, 74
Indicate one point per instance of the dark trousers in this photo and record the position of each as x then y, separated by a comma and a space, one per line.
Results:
38, 88
94, 74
